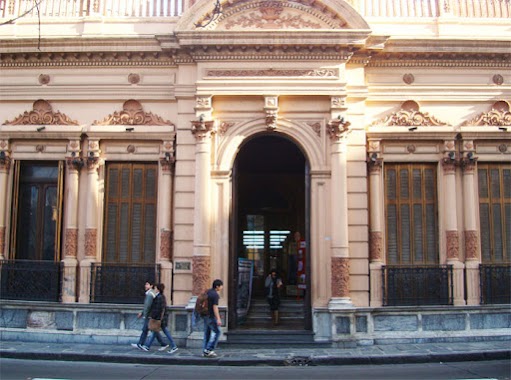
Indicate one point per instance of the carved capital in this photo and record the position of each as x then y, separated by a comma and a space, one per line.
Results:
202, 128
374, 163
74, 163
92, 163
167, 163
5, 162
468, 165
340, 277
337, 128
201, 274
449, 166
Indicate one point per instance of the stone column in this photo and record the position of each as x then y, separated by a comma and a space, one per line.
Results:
340, 297
376, 259
201, 271
5, 167
70, 262
471, 236
164, 216
451, 227
91, 222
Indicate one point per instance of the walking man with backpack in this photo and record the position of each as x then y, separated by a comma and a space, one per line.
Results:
212, 321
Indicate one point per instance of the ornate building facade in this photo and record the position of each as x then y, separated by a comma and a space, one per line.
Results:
180, 141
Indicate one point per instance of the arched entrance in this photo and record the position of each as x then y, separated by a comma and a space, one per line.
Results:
270, 198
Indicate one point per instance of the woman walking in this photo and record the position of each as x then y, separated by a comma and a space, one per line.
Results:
159, 311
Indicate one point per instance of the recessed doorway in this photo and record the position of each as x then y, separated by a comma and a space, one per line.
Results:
270, 193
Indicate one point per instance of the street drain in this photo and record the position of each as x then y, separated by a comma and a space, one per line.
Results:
300, 361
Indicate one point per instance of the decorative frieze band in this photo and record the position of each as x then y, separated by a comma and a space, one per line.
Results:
319, 73
201, 274
375, 246
165, 245
340, 277
453, 245
471, 245
91, 237
71, 246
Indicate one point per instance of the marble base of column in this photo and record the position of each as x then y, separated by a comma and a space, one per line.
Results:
376, 284
458, 269
340, 303
85, 277
69, 280
201, 274
473, 280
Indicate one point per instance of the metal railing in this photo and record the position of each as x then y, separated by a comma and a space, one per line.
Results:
495, 283
172, 8
417, 285
31, 280
121, 283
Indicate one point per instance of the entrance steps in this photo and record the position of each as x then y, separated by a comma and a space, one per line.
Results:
271, 338
291, 315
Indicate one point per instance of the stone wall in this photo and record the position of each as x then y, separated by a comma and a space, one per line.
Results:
118, 324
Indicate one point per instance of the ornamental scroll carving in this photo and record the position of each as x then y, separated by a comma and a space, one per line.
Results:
409, 115
42, 114
132, 114
498, 116
297, 14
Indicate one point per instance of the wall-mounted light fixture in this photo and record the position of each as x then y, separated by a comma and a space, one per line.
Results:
502, 128
451, 155
411, 129
91, 154
130, 129
374, 157
40, 129
167, 156
470, 156
2, 155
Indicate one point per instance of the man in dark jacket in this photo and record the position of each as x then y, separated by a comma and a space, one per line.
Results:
148, 301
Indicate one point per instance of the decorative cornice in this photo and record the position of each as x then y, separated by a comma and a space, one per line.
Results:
441, 59
498, 116
132, 114
87, 59
409, 115
42, 114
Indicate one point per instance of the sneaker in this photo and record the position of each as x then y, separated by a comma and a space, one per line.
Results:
134, 345
163, 348
205, 353
210, 354
172, 350
142, 347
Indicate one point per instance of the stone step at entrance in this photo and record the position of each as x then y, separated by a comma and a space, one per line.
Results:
291, 315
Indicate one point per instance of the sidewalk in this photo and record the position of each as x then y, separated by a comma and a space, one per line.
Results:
228, 356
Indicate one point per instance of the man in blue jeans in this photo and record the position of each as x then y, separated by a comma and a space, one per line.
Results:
212, 321
149, 297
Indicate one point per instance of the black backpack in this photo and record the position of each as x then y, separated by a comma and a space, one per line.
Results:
202, 304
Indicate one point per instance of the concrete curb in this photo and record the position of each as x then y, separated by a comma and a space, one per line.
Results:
247, 360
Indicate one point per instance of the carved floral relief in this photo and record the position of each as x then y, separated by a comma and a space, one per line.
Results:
410, 115
42, 114
132, 114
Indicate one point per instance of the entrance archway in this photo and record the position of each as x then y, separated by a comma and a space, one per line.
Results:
270, 193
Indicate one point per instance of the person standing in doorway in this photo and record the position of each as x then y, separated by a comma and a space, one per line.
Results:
212, 321
273, 283
148, 301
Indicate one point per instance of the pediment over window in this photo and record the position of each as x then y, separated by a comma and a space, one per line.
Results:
132, 114
409, 115
42, 114
498, 116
